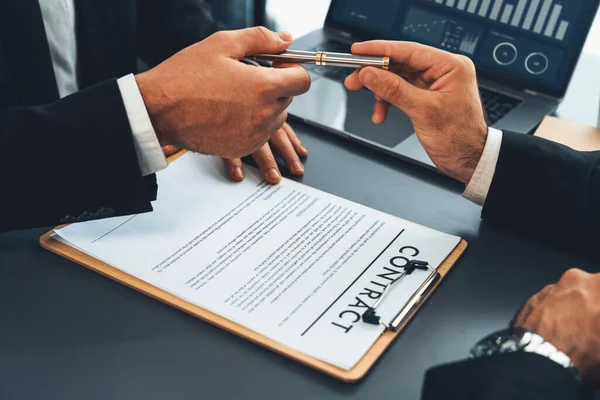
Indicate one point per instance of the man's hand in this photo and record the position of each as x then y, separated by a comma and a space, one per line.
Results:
285, 143
438, 91
170, 150
205, 100
568, 316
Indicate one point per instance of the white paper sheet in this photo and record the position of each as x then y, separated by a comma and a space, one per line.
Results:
290, 262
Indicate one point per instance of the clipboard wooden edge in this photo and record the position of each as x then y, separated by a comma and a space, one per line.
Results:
353, 375
350, 376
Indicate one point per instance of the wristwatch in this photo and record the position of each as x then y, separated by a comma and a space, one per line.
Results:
515, 340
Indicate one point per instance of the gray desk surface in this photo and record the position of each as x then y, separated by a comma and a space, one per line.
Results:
67, 333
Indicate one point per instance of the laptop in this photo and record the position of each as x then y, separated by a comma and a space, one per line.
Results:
525, 52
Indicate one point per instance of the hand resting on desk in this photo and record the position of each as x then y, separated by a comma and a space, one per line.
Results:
285, 143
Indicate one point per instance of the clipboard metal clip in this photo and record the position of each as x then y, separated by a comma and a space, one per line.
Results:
370, 315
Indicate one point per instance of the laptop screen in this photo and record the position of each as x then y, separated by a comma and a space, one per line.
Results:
535, 42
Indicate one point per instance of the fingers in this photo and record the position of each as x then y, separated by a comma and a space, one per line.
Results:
258, 40
170, 150
380, 111
286, 143
282, 144
353, 81
574, 276
392, 88
412, 56
298, 146
234, 169
281, 65
381, 107
289, 80
266, 163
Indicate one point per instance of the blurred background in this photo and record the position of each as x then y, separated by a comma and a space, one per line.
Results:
302, 16
235, 13
297, 17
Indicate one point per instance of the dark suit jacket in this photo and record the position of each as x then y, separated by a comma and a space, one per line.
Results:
548, 192
552, 193
73, 159
517, 376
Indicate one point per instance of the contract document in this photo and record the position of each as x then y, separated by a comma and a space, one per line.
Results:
289, 262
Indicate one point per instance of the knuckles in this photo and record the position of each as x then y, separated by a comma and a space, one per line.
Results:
224, 41
261, 117
395, 90
263, 33
573, 275
465, 64
221, 36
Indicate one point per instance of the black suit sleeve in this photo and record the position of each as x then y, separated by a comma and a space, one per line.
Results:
515, 376
168, 26
546, 190
69, 161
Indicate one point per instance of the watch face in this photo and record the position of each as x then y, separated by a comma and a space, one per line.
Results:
505, 341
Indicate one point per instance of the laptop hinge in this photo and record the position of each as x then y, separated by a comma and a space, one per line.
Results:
345, 34
531, 92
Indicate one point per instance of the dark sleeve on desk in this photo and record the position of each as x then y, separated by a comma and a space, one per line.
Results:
547, 191
168, 26
69, 161
516, 376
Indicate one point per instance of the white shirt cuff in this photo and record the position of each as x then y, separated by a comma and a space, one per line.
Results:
479, 186
149, 152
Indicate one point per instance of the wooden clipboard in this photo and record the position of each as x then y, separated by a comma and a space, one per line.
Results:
353, 375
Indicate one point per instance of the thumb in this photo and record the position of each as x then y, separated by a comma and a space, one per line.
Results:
260, 40
391, 88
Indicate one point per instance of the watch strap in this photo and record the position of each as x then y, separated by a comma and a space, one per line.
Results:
515, 340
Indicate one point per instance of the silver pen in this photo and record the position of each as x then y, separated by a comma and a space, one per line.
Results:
326, 59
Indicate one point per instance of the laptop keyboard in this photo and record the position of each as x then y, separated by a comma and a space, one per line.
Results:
496, 105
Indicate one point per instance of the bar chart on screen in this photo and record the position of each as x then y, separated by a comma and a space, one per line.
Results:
442, 31
551, 19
